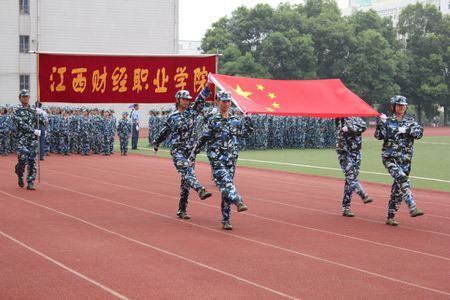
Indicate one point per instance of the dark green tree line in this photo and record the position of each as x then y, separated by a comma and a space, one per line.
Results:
371, 56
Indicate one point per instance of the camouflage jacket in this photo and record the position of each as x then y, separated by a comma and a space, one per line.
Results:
396, 144
181, 125
25, 122
221, 136
124, 128
350, 141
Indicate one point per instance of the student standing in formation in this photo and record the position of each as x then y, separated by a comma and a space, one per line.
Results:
27, 134
124, 130
348, 149
222, 136
398, 133
180, 126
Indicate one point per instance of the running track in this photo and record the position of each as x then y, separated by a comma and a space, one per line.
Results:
105, 227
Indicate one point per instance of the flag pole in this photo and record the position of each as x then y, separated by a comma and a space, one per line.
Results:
37, 117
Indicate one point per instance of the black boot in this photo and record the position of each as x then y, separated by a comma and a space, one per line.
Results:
20, 182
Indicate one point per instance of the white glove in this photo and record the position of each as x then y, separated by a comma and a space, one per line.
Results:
402, 129
383, 118
37, 132
137, 127
39, 111
344, 129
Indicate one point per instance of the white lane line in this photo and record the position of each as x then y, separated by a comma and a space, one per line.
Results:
109, 170
154, 247
239, 237
63, 266
433, 143
164, 195
321, 168
253, 215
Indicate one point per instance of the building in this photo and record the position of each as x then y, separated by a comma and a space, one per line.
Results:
100, 26
188, 47
391, 8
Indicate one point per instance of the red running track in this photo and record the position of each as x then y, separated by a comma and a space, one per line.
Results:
105, 227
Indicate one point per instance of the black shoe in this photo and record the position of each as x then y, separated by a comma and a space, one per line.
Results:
30, 186
20, 182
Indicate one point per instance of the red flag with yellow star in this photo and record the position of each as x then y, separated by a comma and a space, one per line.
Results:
324, 98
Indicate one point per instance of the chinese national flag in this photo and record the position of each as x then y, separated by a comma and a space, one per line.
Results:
325, 98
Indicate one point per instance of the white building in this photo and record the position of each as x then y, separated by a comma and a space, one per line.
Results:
391, 8
93, 26
188, 47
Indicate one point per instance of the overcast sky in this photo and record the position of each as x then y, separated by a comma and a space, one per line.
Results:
196, 16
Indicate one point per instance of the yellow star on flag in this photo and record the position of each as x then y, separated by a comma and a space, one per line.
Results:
260, 87
269, 109
276, 105
271, 95
241, 92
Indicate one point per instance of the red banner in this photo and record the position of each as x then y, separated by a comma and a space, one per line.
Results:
325, 98
85, 78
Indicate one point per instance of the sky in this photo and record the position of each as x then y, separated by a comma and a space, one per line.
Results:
197, 16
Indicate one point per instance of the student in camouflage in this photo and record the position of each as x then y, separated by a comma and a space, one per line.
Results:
180, 125
348, 149
4, 131
124, 131
64, 133
398, 133
221, 136
27, 134
86, 128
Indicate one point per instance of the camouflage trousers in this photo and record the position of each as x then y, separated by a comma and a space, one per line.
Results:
85, 145
27, 156
186, 170
350, 165
401, 188
4, 142
106, 145
123, 144
223, 175
64, 143
111, 144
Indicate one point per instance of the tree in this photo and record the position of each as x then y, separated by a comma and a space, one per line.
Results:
421, 27
289, 56
371, 68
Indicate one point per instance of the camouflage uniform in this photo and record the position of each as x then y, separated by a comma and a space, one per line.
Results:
4, 132
397, 154
348, 149
25, 122
124, 131
85, 131
64, 135
221, 137
181, 128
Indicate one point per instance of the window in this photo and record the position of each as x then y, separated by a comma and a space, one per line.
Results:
24, 7
24, 43
24, 82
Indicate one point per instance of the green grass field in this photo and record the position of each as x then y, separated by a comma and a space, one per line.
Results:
430, 167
